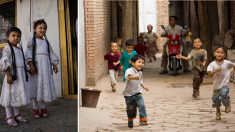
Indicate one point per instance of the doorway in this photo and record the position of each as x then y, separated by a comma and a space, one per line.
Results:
68, 43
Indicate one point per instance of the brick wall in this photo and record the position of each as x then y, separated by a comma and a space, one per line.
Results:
97, 17
162, 19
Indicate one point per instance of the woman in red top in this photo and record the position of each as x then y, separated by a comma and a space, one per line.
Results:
140, 48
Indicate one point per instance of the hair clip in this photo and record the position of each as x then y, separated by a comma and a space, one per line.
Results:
9, 29
38, 20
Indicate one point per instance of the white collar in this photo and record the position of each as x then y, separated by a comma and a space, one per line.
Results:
175, 26
135, 70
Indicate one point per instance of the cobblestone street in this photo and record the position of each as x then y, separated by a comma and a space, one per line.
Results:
169, 105
62, 118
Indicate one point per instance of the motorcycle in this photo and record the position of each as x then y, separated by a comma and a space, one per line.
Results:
173, 48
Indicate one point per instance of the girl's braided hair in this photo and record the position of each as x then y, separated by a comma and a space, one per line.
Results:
36, 23
14, 76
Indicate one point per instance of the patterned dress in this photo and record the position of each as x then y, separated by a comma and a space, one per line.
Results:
15, 94
42, 85
151, 44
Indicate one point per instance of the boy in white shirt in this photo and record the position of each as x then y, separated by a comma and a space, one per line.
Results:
220, 70
133, 91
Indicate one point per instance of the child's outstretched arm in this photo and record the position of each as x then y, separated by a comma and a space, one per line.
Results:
146, 88
182, 57
102, 62
131, 77
211, 73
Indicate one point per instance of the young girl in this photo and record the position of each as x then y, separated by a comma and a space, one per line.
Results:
151, 43
199, 58
40, 57
220, 70
14, 89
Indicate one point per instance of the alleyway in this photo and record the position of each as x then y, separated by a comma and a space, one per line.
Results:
169, 104
62, 118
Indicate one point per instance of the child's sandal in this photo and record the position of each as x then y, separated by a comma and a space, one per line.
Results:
197, 93
36, 114
44, 113
194, 94
12, 123
23, 120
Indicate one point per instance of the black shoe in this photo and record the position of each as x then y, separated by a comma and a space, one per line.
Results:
130, 124
163, 72
143, 123
186, 70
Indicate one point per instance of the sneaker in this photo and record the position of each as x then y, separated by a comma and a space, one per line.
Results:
113, 88
130, 123
197, 93
228, 107
186, 70
163, 72
218, 116
194, 93
143, 123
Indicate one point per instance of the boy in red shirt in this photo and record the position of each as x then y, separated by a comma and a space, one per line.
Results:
140, 48
113, 58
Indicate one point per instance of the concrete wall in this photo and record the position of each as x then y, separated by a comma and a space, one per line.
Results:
48, 10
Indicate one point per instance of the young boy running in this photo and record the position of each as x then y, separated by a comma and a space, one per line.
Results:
140, 48
126, 57
133, 91
220, 70
113, 58
199, 58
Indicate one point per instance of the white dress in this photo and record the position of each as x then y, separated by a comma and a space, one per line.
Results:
41, 85
15, 94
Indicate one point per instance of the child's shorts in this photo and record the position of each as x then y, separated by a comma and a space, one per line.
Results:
221, 95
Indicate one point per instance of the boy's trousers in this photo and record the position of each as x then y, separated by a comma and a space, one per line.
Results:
220, 95
113, 76
132, 103
198, 78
